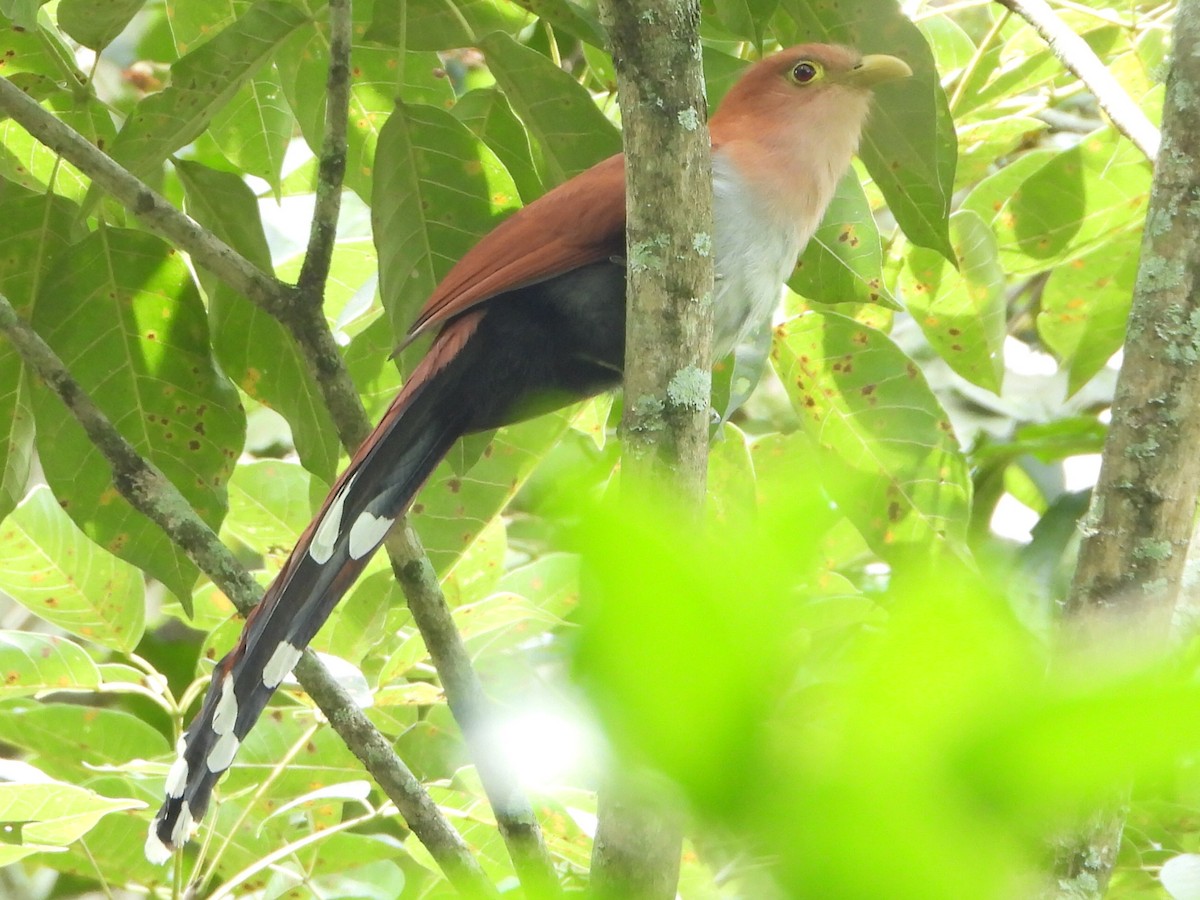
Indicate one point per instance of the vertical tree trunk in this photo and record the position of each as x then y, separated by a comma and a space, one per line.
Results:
656, 51
1137, 532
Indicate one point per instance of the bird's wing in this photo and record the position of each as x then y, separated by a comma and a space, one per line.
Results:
579, 222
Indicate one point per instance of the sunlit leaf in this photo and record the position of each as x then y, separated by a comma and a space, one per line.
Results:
121, 310
202, 83
570, 129
53, 570
961, 310
32, 663
887, 447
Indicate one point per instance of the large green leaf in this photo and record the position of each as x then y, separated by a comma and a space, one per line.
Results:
123, 313
1074, 204
843, 262
35, 228
254, 349
888, 453
909, 145
54, 571
442, 24
34, 663
961, 310
50, 813
378, 77
438, 189
558, 111
254, 128
1085, 305
487, 113
70, 741
202, 83
96, 24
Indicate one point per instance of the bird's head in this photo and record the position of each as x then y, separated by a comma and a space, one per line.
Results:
792, 121
818, 84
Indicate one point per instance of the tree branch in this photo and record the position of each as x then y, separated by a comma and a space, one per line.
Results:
300, 310
668, 356
1077, 56
307, 325
332, 169
153, 495
1137, 531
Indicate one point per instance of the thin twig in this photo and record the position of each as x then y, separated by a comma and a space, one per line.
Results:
1076, 55
332, 168
152, 494
473, 711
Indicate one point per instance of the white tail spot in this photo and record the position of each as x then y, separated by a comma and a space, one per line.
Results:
177, 778
183, 825
223, 752
366, 533
227, 708
326, 535
156, 851
282, 661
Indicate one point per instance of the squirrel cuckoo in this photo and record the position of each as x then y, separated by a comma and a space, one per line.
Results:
529, 319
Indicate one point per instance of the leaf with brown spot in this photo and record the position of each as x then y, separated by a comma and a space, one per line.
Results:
893, 471
843, 262
961, 311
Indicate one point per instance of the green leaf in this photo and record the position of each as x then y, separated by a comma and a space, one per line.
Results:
1074, 204
1085, 305
487, 113
442, 24
744, 19
574, 17
888, 452
202, 83
36, 226
961, 310
438, 190
843, 263
25, 161
71, 741
55, 572
32, 663
558, 111
377, 78
96, 24
254, 128
981, 144
252, 346
909, 145
269, 504
56, 814
122, 312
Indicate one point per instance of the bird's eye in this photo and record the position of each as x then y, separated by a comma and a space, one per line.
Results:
805, 72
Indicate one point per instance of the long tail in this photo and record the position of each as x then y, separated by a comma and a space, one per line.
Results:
387, 471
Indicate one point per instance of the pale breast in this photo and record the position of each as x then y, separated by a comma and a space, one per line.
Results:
753, 259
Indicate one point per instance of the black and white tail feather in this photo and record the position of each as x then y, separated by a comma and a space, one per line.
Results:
371, 494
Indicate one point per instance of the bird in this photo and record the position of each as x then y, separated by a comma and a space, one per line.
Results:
529, 319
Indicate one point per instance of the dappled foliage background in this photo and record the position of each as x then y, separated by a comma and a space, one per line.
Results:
846, 677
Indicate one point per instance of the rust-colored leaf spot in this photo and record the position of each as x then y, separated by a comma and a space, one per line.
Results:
911, 370
895, 512
861, 338
488, 451
12, 678
454, 485
193, 445
868, 390
954, 332
417, 508
957, 348
51, 602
